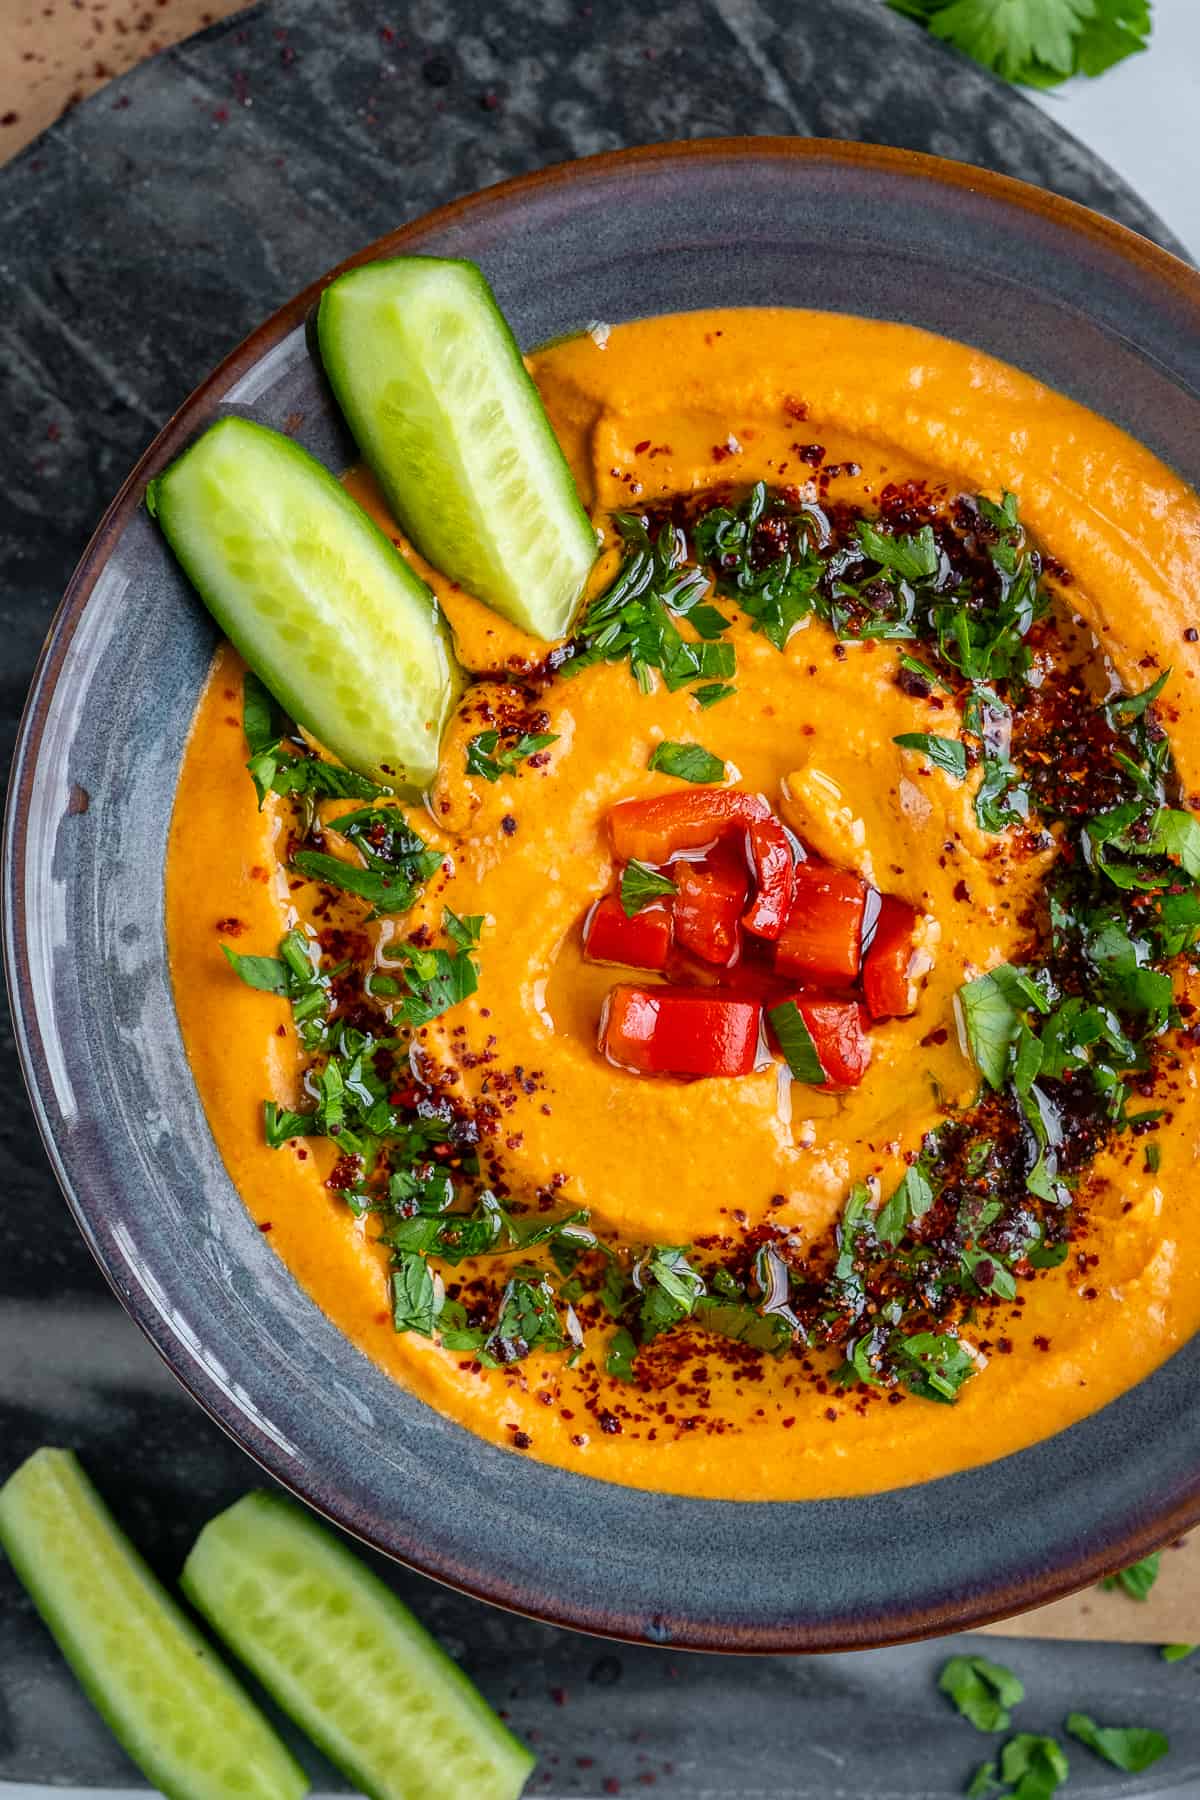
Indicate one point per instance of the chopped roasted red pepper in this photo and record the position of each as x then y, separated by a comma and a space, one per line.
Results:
888, 987
653, 830
680, 1031
838, 1031
774, 877
823, 935
709, 900
643, 942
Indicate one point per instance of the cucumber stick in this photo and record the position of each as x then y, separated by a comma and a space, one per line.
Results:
434, 389
319, 602
347, 1659
168, 1699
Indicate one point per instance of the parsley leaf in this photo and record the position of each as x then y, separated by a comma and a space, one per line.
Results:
913, 558
484, 757
992, 1023
944, 753
986, 1780
414, 1298
266, 973
396, 860
941, 1364
281, 1125
1128, 1747
436, 979
635, 617
296, 975
670, 1288
982, 1691
911, 1200
323, 780
744, 1323
1173, 1653
1034, 1767
464, 932
711, 692
265, 725
263, 721
639, 885
687, 762
619, 1358
1037, 42
797, 1043
1137, 1579
528, 1319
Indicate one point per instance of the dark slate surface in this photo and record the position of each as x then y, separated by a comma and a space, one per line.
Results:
139, 241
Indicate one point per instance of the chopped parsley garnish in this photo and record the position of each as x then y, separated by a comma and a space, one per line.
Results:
438, 979
982, 1691
945, 753
687, 762
484, 756
396, 861
796, 1041
296, 976
620, 1356
711, 693
529, 1320
1128, 1747
638, 618
968, 592
938, 1364
1137, 1580
274, 769
640, 884
908, 1204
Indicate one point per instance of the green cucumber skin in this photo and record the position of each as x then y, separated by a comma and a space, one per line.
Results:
351, 311
262, 1524
169, 502
277, 1775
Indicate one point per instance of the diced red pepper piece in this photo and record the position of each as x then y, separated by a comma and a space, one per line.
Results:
774, 878
710, 898
680, 1031
838, 1032
643, 942
823, 935
653, 830
888, 988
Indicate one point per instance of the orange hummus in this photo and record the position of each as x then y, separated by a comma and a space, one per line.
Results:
648, 411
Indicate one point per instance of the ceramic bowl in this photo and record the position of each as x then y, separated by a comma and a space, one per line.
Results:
1085, 305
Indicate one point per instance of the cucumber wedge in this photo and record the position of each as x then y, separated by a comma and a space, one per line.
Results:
433, 387
167, 1698
319, 602
347, 1659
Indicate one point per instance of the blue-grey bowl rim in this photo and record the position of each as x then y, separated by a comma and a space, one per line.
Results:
1038, 1578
